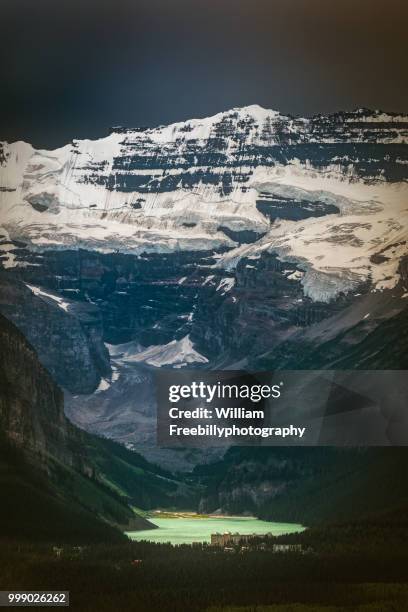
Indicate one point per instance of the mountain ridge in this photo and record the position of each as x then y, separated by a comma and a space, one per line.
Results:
210, 184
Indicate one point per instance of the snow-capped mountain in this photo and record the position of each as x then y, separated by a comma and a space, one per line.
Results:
214, 183
248, 239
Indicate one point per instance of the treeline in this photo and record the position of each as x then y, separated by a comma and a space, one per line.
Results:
143, 576
306, 485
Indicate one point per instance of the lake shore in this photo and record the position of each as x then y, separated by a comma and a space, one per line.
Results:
163, 514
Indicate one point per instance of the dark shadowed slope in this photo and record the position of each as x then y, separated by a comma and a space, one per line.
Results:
312, 486
57, 481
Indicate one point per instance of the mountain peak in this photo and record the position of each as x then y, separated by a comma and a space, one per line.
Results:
256, 111
252, 109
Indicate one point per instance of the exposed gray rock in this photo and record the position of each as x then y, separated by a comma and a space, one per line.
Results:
67, 336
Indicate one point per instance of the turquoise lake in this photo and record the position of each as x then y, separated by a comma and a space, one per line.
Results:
189, 530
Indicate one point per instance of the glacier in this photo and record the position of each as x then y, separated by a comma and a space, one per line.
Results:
195, 185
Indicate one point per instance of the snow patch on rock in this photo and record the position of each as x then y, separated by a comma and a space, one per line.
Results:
177, 353
45, 294
225, 285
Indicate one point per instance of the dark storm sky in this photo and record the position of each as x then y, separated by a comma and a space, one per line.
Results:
72, 69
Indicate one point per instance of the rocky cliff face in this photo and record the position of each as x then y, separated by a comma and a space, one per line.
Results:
244, 313
67, 335
31, 405
260, 319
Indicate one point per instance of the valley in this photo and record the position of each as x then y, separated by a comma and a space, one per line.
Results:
204, 305
249, 240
